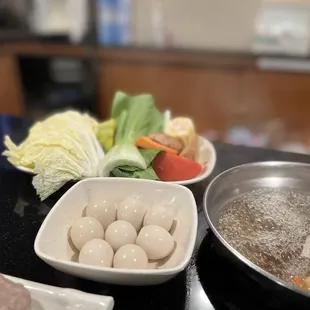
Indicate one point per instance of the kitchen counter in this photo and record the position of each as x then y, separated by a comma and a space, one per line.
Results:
209, 282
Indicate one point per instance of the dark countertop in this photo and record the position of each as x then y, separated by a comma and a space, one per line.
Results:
208, 278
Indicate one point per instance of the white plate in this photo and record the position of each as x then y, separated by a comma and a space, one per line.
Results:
45, 297
206, 157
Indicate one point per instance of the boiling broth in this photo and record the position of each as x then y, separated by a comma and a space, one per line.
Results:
269, 227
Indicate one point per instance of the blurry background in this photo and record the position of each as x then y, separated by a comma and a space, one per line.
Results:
239, 68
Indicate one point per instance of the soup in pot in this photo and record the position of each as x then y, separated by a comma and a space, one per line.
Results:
271, 228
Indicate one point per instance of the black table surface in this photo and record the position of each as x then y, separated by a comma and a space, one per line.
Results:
209, 282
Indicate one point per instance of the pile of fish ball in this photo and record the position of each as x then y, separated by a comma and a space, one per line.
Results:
128, 235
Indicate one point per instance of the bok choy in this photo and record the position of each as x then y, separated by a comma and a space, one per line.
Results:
135, 116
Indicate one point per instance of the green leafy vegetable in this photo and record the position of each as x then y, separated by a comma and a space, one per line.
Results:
105, 134
127, 168
134, 172
135, 116
61, 148
147, 173
119, 105
121, 155
149, 155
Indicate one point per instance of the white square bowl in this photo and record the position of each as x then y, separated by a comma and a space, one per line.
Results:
52, 243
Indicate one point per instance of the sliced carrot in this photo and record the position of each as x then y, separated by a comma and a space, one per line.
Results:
148, 143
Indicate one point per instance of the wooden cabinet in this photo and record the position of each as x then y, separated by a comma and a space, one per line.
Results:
214, 97
11, 101
277, 95
211, 97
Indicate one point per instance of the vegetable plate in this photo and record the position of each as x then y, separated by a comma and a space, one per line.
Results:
138, 141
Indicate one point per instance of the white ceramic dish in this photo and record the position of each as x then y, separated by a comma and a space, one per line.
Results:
206, 157
45, 297
52, 243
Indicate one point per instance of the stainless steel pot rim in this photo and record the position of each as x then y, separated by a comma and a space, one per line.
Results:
233, 250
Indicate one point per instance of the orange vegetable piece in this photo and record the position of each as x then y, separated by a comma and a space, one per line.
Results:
300, 282
148, 143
